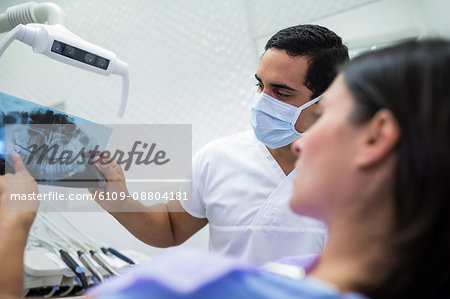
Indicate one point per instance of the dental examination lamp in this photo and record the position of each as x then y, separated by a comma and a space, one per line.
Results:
55, 41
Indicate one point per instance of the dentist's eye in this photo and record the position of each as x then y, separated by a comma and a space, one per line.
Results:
260, 86
282, 95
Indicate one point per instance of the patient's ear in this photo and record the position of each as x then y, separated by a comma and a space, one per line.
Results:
378, 140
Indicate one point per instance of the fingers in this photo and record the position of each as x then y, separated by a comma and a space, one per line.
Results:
114, 165
117, 168
106, 169
18, 163
2, 187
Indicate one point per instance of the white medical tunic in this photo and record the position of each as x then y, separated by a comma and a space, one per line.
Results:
243, 192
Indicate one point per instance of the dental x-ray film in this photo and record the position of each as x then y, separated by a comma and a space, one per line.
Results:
56, 148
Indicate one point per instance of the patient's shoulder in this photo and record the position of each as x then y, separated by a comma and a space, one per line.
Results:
185, 273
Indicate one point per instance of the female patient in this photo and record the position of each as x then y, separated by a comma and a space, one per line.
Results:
373, 167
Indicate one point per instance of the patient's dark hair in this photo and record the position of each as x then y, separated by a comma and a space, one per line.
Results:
323, 47
412, 80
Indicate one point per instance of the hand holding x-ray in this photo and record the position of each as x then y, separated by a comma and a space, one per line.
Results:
22, 183
115, 193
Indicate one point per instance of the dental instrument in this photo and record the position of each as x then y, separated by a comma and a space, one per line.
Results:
66, 258
100, 260
104, 248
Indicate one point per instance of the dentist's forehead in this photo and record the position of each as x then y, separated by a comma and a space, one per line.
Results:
277, 66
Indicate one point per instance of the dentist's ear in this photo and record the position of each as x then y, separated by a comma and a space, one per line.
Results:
378, 139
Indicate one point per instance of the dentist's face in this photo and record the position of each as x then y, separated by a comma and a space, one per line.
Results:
282, 77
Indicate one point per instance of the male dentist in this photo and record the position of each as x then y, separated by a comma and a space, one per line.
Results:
241, 184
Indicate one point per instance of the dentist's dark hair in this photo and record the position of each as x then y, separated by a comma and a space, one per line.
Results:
411, 80
322, 46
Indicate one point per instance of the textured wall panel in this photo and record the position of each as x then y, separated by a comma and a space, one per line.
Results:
190, 61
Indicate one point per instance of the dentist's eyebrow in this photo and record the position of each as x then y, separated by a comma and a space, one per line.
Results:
277, 85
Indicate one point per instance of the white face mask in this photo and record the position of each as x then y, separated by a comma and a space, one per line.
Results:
273, 121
